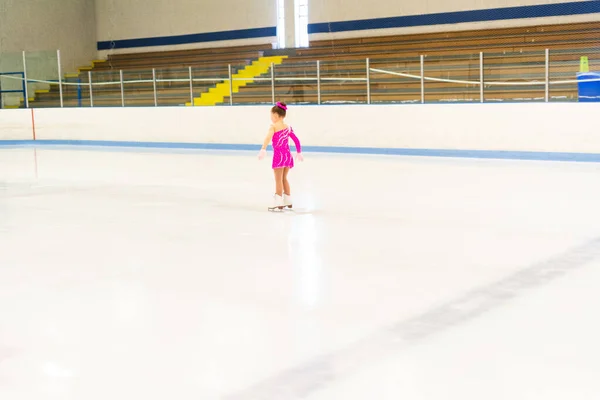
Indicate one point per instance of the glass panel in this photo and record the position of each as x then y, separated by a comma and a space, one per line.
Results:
42, 66
212, 76
250, 90
12, 86
389, 88
106, 88
344, 82
509, 77
459, 75
525, 70
83, 89
565, 64
75, 90
172, 86
295, 83
138, 88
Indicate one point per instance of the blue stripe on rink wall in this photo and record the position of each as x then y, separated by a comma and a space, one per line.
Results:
494, 14
481, 154
191, 38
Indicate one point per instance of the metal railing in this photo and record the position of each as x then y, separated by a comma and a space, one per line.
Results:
22, 91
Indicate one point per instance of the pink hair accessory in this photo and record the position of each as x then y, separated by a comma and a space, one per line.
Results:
281, 106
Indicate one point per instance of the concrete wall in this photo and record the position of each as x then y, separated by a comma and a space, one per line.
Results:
40, 27
425, 129
119, 20
154, 25
47, 25
335, 11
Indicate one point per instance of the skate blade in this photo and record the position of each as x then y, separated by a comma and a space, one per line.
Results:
275, 209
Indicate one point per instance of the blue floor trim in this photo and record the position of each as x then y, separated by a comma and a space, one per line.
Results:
492, 14
482, 154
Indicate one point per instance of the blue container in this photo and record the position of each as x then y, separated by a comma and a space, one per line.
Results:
588, 91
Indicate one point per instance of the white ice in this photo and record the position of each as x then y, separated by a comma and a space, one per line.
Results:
160, 275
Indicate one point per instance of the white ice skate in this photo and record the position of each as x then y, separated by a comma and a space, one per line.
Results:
277, 203
287, 201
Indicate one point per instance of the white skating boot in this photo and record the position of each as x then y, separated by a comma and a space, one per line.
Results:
277, 203
287, 201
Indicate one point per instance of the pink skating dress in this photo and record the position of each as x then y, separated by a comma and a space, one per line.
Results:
282, 156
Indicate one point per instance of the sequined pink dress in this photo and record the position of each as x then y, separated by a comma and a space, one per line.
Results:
282, 156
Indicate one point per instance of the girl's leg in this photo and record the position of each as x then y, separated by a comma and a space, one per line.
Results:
286, 184
278, 181
287, 198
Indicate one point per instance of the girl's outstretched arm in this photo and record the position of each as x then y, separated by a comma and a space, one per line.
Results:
268, 138
263, 149
296, 142
299, 155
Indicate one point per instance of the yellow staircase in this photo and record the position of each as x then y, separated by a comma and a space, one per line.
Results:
246, 75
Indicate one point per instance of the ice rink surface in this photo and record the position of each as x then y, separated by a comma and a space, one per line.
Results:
160, 275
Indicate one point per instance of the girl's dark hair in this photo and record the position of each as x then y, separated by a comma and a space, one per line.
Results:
279, 110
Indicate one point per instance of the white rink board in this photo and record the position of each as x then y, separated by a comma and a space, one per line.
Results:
15, 125
495, 127
161, 124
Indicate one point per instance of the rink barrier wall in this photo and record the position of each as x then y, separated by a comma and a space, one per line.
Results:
16, 125
534, 131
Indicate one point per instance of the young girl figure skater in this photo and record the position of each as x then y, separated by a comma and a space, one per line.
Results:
279, 134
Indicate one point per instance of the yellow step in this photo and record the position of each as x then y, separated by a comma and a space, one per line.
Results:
246, 76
